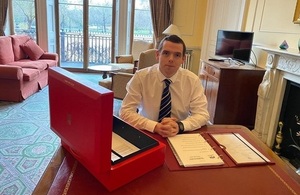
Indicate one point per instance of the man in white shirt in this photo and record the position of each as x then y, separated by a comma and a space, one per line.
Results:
144, 93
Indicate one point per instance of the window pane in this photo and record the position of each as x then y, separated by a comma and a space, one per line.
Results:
24, 17
142, 21
100, 31
71, 33
73, 46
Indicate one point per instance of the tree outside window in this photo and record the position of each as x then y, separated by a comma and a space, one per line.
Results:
24, 17
142, 21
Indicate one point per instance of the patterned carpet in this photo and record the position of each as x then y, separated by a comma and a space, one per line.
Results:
26, 142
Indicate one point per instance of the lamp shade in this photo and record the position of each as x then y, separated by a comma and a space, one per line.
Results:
172, 30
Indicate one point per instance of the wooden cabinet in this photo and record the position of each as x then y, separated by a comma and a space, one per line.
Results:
231, 92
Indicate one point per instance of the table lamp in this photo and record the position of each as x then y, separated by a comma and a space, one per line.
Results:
172, 30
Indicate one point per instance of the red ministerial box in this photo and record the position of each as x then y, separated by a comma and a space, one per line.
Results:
81, 114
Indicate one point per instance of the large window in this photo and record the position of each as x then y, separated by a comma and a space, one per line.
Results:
71, 33
24, 19
83, 32
142, 21
100, 31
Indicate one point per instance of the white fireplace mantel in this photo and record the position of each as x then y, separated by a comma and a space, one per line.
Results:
282, 65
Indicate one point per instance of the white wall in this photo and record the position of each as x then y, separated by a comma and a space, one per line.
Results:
189, 16
272, 23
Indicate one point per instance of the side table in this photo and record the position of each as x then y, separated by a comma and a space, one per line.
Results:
104, 69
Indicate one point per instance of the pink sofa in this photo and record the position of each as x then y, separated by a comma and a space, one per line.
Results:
23, 67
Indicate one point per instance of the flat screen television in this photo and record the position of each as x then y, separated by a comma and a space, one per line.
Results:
236, 45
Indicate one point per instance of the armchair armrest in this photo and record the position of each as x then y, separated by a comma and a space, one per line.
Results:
135, 65
124, 59
11, 72
50, 56
119, 82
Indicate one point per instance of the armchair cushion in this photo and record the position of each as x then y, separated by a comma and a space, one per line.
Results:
32, 50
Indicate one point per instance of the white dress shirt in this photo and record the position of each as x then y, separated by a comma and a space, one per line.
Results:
144, 90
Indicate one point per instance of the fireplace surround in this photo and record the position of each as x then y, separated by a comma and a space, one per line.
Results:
281, 66
290, 120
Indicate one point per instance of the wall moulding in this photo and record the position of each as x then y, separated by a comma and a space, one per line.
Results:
278, 18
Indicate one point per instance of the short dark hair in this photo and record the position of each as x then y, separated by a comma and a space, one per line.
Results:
173, 39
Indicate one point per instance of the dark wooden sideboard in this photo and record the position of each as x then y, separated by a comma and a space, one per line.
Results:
231, 92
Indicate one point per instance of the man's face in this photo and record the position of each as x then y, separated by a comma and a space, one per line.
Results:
170, 58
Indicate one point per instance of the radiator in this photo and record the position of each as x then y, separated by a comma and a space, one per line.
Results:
188, 60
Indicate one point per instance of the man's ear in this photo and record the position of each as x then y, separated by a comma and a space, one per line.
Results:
157, 55
183, 58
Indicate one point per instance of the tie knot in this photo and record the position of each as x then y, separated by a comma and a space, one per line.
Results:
167, 82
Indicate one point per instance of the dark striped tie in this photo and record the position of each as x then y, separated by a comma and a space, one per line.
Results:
165, 104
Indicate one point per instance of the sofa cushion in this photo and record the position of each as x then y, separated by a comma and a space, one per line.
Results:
32, 50
30, 74
27, 63
18, 40
6, 50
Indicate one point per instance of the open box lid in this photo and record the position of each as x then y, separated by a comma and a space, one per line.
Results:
81, 114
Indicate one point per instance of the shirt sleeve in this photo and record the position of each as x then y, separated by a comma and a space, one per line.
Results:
199, 115
128, 111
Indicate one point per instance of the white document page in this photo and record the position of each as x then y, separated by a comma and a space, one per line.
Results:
240, 149
122, 146
114, 157
193, 150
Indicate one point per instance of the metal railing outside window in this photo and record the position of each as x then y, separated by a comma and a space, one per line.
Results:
99, 47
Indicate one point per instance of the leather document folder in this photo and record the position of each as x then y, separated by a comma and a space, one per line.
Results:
173, 164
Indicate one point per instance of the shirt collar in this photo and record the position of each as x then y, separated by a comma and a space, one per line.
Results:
161, 77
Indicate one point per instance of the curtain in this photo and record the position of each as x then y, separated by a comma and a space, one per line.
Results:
162, 16
3, 13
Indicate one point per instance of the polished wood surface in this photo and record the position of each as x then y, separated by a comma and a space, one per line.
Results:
231, 92
278, 178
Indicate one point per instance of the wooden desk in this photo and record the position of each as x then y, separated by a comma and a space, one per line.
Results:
73, 178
